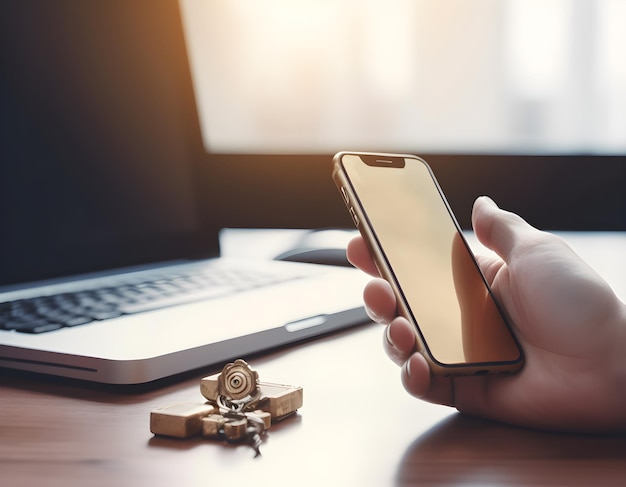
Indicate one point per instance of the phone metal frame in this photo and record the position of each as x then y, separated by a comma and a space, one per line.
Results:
362, 223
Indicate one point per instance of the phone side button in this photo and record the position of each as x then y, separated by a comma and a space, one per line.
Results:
354, 217
344, 193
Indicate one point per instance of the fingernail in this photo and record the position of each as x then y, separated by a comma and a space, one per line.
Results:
373, 316
388, 336
407, 367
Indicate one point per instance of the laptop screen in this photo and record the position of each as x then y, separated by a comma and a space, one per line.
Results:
100, 144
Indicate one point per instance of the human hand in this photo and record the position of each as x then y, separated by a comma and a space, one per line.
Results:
569, 322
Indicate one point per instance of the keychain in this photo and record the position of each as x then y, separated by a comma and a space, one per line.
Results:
238, 408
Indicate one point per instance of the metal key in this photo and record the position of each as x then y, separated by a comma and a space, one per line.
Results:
238, 393
239, 408
181, 420
278, 399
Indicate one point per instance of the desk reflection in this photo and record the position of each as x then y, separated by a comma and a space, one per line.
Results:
462, 450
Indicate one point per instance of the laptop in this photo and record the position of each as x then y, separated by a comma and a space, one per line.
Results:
110, 269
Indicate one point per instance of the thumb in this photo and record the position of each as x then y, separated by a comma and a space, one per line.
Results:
497, 229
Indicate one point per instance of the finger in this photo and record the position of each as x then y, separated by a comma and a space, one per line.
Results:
380, 302
497, 229
401, 346
419, 382
489, 266
399, 340
416, 375
359, 255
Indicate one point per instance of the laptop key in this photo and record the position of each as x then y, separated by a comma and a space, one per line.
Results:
8, 323
77, 321
68, 318
104, 314
37, 326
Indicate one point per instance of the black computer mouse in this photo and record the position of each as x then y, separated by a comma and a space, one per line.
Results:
326, 247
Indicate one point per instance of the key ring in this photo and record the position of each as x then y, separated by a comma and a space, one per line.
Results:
238, 405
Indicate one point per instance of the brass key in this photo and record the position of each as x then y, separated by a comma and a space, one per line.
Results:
278, 399
239, 408
181, 420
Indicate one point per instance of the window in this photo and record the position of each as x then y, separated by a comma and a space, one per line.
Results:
451, 76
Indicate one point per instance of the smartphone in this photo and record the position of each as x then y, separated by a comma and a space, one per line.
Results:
419, 248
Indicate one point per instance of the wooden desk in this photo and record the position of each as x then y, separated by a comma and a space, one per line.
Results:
357, 428
55, 432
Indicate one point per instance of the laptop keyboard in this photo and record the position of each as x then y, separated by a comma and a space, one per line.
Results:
48, 313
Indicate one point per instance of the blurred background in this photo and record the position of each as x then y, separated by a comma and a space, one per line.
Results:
480, 76
524, 100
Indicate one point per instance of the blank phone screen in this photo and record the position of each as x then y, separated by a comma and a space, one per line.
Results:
422, 246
